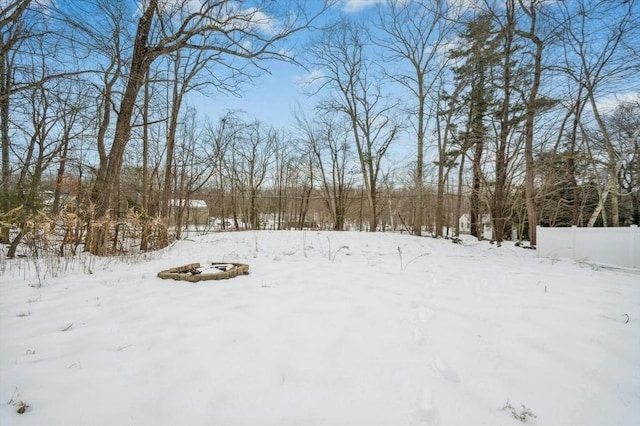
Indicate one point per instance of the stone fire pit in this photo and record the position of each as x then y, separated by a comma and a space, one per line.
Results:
193, 272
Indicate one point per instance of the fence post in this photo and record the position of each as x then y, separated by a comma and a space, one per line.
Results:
574, 231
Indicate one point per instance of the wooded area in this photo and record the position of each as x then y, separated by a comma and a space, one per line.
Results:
524, 111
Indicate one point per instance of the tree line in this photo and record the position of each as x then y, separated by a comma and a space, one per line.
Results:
506, 108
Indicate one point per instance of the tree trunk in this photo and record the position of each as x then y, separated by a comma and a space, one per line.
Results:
107, 177
529, 187
5, 97
440, 193
458, 213
418, 215
612, 164
475, 216
498, 213
571, 164
144, 236
55, 207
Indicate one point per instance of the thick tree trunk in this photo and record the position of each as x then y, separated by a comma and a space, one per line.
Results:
498, 213
104, 189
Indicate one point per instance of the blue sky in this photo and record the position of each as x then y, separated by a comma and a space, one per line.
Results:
273, 97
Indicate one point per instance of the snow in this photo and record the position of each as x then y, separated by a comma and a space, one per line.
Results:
327, 329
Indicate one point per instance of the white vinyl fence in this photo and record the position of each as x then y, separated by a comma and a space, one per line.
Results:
611, 246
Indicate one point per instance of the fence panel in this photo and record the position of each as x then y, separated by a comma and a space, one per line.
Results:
612, 246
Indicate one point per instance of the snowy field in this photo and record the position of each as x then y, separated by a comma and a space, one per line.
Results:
327, 329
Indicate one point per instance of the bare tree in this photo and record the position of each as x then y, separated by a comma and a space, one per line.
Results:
327, 140
12, 34
623, 132
144, 237
221, 137
214, 26
415, 34
624, 125
192, 168
531, 34
599, 55
252, 153
506, 125
569, 145
284, 169
303, 175
355, 91
447, 108
72, 105
184, 68
36, 151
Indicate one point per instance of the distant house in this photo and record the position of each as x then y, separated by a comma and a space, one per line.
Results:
218, 224
487, 229
194, 212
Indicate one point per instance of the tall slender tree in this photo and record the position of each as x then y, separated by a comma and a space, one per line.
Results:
13, 33
327, 140
532, 107
413, 36
354, 90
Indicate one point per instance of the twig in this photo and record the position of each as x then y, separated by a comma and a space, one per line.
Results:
15, 393
417, 257
338, 251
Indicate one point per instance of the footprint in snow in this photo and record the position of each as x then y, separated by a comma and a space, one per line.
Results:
418, 337
446, 372
426, 410
423, 314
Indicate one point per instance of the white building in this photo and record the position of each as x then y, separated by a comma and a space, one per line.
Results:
196, 212
465, 225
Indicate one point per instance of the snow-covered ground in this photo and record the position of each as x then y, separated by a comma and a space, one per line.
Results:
327, 329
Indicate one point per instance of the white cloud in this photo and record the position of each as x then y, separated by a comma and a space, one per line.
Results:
171, 6
465, 5
309, 79
353, 6
608, 103
233, 17
252, 18
286, 52
263, 22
